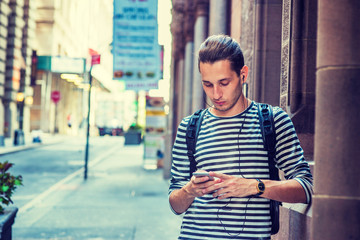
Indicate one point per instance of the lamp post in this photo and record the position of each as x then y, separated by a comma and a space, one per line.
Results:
95, 59
88, 128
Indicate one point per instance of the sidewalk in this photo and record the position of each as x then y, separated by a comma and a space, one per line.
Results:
119, 200
46, 138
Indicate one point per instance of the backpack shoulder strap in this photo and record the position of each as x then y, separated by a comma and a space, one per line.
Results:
268, 133
269, 137
192, 132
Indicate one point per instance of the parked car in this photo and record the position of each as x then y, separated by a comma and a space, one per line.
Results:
112, 131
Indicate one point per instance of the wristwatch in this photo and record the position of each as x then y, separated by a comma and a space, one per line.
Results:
260, 187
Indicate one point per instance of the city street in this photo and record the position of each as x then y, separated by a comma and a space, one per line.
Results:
119, 200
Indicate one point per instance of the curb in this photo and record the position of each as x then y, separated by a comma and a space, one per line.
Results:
13, 149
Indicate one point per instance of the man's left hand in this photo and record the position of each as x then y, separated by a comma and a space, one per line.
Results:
231, 186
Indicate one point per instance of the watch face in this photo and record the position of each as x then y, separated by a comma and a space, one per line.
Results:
261, 186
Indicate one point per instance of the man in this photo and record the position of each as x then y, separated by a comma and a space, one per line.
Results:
233, 204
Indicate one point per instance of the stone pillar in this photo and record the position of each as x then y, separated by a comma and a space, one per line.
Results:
298, 68
14, 63
297, 83
4, 12
188, 75
177, 30
303, 68
189, 55
246, 36
180, 88
200, 34
267, 51
235, 29
336, 203
171, 127
218, 17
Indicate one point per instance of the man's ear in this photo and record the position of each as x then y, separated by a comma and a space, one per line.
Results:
244, 72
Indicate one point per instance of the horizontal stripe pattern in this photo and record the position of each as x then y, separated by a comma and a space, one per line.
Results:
234, 146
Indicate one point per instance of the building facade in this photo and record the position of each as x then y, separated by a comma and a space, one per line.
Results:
44, 63
17, 34
291, 47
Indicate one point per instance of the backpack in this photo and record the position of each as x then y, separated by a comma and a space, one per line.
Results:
267, 126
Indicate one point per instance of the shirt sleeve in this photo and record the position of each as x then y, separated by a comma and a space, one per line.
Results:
180, 169
289, 154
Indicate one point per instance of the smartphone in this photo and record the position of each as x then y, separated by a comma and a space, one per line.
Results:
203, 174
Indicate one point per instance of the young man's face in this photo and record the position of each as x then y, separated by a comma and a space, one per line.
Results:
223, 86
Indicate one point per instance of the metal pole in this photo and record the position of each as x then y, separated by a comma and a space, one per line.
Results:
88, 129
56, 130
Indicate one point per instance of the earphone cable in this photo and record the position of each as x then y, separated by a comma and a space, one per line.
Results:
247, 202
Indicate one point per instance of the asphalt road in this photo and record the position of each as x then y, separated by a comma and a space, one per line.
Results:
119, 200
44, 166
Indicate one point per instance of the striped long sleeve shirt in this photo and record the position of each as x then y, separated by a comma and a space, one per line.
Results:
234, 146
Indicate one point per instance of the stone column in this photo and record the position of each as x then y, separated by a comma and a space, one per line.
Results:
189, 55
236, 14
246, 36
171, 127
4, 12
297, 83
218, 17
180, 88
200, 34
298, 68
177, 30
336, 203
176, 81
267, 54
303, 70
188, 75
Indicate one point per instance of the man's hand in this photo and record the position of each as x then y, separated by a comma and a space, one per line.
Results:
181, 199
230, 186
227, 186
196, 186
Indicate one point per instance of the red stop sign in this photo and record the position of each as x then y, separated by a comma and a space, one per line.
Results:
95, 59
55, 96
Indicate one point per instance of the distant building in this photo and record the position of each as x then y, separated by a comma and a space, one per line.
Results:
44, 56
16, 37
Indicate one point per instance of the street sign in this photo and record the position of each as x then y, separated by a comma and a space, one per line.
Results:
95, 59
55, 96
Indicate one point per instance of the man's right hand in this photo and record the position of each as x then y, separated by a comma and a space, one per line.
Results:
181, 199
196, 186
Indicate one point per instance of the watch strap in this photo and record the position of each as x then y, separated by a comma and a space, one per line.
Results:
257, 187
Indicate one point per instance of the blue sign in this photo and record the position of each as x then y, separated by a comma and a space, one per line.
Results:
136, 52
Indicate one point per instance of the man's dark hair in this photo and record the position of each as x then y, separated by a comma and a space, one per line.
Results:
221, 47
